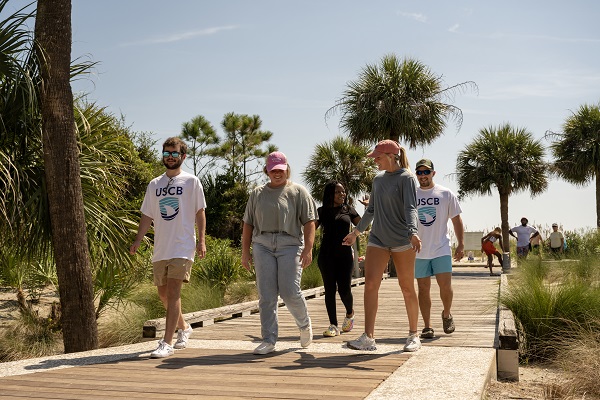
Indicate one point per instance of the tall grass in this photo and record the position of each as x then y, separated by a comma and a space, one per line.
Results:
124, 325
580, 359
30, 336
548, 299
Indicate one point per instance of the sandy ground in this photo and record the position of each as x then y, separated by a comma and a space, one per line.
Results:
535, 382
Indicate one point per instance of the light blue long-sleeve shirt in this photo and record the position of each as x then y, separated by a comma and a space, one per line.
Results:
392, 209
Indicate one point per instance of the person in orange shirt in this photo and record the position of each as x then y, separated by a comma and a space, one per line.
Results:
488, 247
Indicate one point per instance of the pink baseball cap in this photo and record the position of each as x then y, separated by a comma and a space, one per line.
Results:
386, 146
276, 160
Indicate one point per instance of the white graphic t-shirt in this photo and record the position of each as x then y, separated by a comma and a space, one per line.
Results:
172, 203
435, 206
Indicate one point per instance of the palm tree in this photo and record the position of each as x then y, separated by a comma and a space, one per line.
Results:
398, 100
110, 176
62, 170
342, 161
577, 150
506, 158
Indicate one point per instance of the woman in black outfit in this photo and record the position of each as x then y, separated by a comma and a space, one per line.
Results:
336, 260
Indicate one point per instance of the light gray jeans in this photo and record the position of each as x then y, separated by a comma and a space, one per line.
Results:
278, 273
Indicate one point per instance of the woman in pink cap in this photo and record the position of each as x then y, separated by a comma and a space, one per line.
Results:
279, 222
393, 210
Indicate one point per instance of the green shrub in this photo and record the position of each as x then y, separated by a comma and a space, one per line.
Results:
311, 277
221, 266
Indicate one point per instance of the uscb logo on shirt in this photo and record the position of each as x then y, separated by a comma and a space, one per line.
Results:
427, 215
169, 208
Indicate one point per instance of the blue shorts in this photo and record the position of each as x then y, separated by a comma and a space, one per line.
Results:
433, 266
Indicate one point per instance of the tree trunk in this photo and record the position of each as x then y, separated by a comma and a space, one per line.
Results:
504, 218
62, 170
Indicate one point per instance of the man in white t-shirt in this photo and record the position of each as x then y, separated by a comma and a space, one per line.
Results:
436, 205
524, 234
175, 203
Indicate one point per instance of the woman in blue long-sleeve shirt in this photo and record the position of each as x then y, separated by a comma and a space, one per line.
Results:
393, 210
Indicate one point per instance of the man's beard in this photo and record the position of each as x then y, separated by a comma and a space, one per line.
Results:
173, 166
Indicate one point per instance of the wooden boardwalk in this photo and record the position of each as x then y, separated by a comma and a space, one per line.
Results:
215, 366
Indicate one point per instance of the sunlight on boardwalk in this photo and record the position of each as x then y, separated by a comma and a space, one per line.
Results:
209, 374
219, 365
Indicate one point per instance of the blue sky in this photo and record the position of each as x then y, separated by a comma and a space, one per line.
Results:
162, 63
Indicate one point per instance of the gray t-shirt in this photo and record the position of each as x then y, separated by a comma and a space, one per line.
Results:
392, 209
283, 209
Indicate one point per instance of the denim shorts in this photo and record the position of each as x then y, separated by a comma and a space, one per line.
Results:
396, 249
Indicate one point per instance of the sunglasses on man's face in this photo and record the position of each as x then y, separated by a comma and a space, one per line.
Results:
174, 154
424, 172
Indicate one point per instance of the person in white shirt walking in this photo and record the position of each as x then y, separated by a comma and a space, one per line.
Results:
174, 203
436, 205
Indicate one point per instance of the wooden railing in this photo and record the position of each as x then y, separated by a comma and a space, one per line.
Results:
155, 327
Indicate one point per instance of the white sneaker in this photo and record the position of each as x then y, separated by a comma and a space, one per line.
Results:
163, 350
331, 331
306, 335
413, 343
364, 342
264, 348
182, 337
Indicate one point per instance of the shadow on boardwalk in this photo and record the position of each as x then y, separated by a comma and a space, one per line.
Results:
218, 362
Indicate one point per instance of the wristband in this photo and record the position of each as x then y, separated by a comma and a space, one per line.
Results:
356, 234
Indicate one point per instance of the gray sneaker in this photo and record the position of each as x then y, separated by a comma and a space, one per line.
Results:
364, 342
264, 348
306, 335
448, 323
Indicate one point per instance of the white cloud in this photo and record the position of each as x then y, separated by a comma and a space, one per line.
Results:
181, 36
454, 28
416, 16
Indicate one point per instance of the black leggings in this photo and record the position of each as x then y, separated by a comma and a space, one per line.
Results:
336, 268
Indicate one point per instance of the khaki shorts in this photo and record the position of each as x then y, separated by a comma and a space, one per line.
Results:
175, 268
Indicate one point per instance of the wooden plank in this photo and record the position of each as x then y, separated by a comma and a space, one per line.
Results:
212, 373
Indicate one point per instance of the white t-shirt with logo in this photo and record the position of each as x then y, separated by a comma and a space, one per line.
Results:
435, 206
172, 203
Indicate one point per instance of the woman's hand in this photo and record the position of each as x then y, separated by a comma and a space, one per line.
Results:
415, 242
306, 257
246, 261
349, 239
